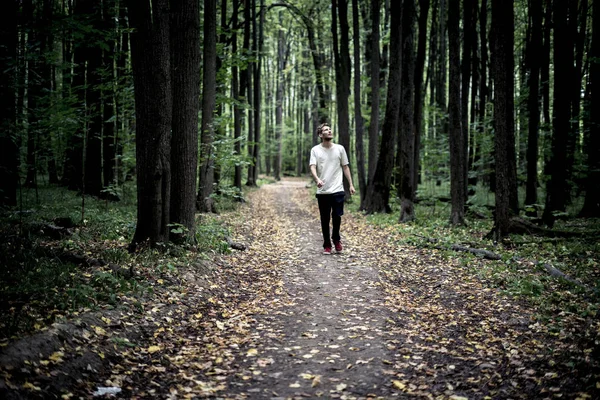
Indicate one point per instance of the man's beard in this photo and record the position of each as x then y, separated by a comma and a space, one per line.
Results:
327, 139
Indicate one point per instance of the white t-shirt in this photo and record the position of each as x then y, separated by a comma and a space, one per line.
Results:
329, 162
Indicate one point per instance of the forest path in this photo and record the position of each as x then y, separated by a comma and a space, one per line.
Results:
379, 320
325, 336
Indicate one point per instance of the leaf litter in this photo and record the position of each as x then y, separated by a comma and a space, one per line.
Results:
282, 321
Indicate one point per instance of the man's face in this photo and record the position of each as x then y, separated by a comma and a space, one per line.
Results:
326, 133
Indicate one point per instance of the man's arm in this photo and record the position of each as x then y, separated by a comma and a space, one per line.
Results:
348, 176
313, 171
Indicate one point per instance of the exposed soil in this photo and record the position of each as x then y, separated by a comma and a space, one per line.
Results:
283, 321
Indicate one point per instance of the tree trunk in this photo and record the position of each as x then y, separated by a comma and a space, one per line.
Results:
253, 99
406, 148
204, 201
342, 75
591, 206
358, 118
281, 62
533, 58
237, 90
378, 191
560, 165
109, 122
258, 46
185, 70
9, 174
375, 97
504, 144
458, 145
419, 95
153, 109
93, 104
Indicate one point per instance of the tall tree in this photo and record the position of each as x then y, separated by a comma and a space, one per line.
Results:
282, 52
94, 71
557, 192
204, 201
419, 93
185, 70
237, 92
533, 59
358, 118
378, 190
9, 176
591, 206
458, 146
342, 74
504, 143
153, 108
406, 144
109, 18
375, 65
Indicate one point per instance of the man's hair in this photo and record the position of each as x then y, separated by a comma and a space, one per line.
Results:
320, 128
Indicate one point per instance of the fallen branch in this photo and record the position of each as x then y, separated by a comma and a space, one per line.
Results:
478, 252
235, 245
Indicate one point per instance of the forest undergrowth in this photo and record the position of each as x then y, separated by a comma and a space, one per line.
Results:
81, 313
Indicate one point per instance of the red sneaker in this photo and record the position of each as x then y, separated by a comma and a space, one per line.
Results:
327, 250
338, 246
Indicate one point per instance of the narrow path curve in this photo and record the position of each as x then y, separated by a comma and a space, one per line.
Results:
328, 338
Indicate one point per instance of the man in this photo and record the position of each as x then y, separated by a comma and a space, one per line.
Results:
327, 163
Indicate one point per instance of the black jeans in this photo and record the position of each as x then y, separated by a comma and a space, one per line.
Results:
331, 206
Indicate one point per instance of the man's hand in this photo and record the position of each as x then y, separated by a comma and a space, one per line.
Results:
352, 190
320, 183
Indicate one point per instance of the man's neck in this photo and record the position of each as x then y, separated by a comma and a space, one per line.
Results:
327, 143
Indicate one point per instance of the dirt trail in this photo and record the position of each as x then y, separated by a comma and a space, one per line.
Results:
329, 338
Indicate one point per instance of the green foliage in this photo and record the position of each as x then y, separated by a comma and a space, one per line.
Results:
211, 236
39, 285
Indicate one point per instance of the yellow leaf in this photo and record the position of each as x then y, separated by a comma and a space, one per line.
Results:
106, 320
30, 386
252, 352
153, 349
399, 385
99, 330
160, 281
306, 376
57, 356
316, 381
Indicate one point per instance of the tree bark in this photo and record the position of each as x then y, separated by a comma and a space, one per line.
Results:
504, 144
185, 75
281, 63
375, 97
358, 118
458, 144
419, 95
378, 191
533, 59
560, 165
9, 174
342, 75
204, 201
406, 147
591, 206
237, 90
153, 109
